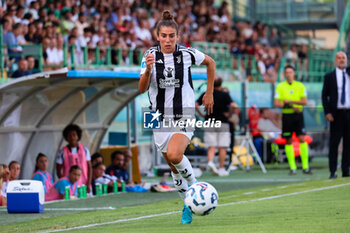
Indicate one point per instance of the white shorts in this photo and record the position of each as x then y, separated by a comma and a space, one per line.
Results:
219, 137
161, 139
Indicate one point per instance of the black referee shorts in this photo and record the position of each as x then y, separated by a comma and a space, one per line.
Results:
293, 123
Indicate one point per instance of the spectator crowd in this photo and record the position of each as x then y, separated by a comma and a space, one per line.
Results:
130, 25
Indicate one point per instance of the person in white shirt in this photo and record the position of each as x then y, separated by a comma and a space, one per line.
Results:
4, 179
268, 125
100, 177
53, 56
143, 32
14, 171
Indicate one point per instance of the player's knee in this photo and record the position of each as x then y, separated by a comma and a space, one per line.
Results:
174, 156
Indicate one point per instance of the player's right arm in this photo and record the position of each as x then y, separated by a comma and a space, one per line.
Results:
146, 73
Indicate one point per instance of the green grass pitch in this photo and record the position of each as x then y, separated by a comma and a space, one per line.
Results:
248, 202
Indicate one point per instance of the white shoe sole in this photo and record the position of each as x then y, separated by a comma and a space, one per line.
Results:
213, 170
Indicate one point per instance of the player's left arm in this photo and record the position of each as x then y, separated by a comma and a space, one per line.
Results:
208, 99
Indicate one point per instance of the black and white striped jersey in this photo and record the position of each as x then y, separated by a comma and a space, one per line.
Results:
171, 83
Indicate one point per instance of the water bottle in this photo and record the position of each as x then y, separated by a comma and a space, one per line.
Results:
105, 188
84, 191
123, 186
98, 190
80, 192
66, 192
115, 186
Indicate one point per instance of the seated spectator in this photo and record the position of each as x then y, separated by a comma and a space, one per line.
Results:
31, 37
4, 177
96, 158
271, 74
53, 55
74, 154
67, 23
116, 168
292, 55
78, 55
303, 60
100, 177
268, 124
81, 23
274, 39
10, 39
20, 38
258, 139
31, 64
60, 49
57, 191
38, 38
41, 173
131, 186
127, 159
85, 38
34, 8
14, 171
22, 69
143, 33
260, 60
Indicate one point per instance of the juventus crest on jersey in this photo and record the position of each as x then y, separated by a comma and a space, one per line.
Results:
171, 83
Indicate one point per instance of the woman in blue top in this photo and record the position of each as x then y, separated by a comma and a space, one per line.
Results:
41, 172
57, 191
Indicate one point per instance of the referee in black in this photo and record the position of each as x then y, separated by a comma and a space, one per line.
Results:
336, 104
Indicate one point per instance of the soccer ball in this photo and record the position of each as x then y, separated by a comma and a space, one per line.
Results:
202, 198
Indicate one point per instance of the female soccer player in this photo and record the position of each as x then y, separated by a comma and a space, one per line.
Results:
74, 154
57, 190
166, 74
41, 172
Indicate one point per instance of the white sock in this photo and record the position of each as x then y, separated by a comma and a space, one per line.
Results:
186, 170
180, 184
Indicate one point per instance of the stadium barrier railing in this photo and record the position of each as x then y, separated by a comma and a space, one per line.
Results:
312, 69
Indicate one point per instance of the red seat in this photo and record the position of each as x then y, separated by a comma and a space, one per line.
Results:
295, 143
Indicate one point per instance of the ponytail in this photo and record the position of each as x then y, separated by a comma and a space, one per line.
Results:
167, 21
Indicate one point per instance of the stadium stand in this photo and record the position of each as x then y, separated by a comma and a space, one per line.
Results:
109, 34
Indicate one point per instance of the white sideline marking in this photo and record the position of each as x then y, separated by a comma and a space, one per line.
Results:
248, 193
175, 212
117, 221
83, 209
73, 209
248, 180
286, 194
